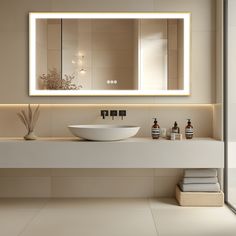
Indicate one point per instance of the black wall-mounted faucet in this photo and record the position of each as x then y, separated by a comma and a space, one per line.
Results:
122, 113
113, 113
104, 113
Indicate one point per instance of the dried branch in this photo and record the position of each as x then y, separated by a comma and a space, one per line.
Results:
23, 120
29, 119
53, 81
35, 117
25, 117
30, 116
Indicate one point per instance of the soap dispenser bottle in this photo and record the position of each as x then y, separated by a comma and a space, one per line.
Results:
189, 130
175, 129
155, 130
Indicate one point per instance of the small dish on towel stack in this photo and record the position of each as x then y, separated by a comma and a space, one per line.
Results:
199, 187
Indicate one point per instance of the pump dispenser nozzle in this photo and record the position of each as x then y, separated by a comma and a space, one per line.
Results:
155, 120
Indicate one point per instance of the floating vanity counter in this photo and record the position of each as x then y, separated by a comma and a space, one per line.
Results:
130, 153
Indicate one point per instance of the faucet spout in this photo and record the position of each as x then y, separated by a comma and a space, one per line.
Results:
104, 113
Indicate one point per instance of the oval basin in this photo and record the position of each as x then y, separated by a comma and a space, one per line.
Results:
104, 132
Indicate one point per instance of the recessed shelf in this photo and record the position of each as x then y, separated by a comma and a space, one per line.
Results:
130, 153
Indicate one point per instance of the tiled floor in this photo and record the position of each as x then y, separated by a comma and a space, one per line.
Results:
112, 217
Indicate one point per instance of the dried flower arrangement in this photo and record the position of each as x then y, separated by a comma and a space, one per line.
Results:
29, 119
53, 81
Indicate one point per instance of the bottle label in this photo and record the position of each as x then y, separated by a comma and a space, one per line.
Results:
176, 131
155, 132
189, 130
172, 136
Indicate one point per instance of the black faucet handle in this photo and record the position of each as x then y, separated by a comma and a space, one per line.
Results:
122, 113
104, 113
113, 113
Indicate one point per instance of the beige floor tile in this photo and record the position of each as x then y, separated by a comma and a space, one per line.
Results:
15, 214
12, 223
90, 217
198, 221
106, 217
99, 204
162, 203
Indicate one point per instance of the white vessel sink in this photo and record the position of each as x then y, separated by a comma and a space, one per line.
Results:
104, 132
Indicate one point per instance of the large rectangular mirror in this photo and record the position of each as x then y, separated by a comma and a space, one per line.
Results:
109, 54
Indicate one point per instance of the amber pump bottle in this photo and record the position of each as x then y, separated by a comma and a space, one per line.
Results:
155, 130
189, 130
175, 129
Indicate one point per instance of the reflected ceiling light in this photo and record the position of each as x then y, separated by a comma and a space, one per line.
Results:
80, 62
82, 71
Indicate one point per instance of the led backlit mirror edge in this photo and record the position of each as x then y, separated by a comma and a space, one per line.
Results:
33, 16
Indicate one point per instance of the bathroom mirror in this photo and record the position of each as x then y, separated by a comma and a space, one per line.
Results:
109, 54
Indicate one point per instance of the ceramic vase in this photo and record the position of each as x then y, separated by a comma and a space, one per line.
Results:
30, 136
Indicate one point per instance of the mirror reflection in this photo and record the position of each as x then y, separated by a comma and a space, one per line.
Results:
94, 54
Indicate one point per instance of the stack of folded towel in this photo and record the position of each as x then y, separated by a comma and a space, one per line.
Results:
200, 180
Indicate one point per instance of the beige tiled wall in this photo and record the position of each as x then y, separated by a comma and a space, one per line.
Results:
88, 182
97, 182
53, 120
14, 53
218, 107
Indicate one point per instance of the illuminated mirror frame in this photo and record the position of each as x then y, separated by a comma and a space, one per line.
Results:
32, 54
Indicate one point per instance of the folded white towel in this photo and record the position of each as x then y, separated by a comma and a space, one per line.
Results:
199, 187
197, 180
200, 173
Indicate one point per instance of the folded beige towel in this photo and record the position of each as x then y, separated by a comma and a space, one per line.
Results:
199, 187
197, 180
200, 173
